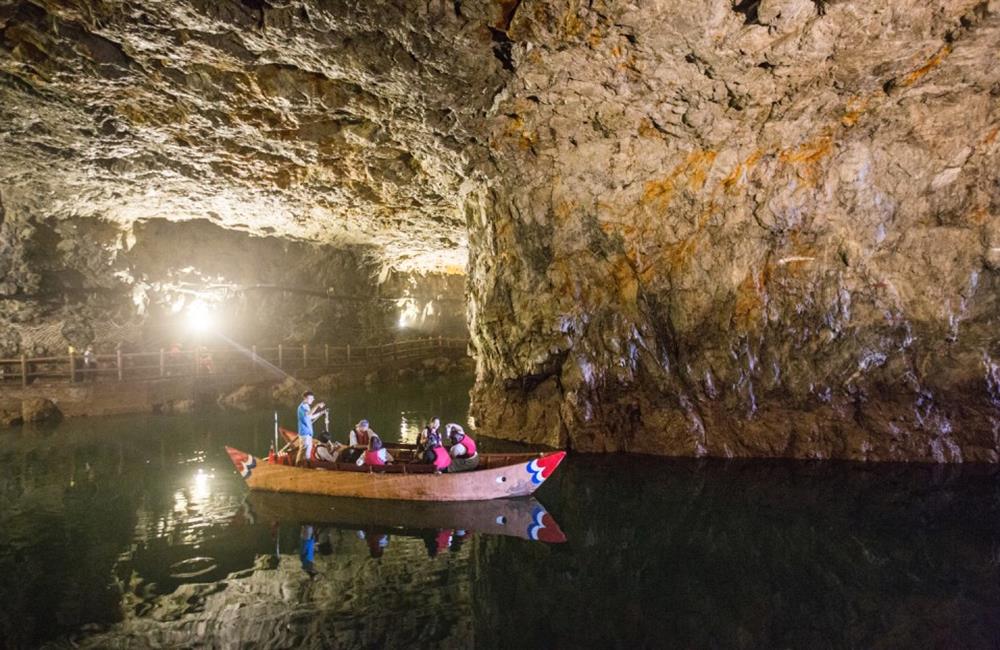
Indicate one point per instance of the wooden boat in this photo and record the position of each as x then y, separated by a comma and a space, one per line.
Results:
524, 518
498, 476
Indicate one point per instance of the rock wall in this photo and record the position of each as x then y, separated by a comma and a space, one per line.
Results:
744, 229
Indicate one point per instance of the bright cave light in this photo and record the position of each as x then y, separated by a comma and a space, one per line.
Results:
199, 316
408, 313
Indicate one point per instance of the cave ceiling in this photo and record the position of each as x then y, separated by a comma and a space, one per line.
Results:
368, 123
345, 122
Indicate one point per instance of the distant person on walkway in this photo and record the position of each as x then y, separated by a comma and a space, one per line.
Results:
90, 363
205, 360
173, 357
307, 414
463, 449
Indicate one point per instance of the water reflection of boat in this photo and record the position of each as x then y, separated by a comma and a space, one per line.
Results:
524, 518
498, 476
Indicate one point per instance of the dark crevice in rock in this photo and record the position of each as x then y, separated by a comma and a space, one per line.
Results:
502, 48
749, 9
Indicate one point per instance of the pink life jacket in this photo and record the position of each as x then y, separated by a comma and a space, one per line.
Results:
470, 446
374, 458
441, 458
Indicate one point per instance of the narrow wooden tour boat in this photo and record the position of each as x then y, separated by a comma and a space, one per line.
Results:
524, 518
498, 476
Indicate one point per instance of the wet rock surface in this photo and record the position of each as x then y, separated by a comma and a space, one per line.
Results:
39, 410
764, 228
767, 229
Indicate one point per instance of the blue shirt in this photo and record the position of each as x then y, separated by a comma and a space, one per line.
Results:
305, 421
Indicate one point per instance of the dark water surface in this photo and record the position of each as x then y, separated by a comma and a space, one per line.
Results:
135, 532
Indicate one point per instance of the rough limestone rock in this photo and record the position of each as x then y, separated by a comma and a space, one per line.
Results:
39, 410
326, 384
288, 391
10, 413
174, 407
768, 229
729, 228
245, 397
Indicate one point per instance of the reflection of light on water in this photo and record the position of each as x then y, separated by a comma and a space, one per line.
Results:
195, 509
408, 429
201, 487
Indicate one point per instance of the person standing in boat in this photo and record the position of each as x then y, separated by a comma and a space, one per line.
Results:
463, 449
307, 414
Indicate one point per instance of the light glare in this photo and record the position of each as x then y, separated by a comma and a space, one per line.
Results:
199, 317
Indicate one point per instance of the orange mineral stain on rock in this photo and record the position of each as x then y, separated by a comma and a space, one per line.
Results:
750, 295
735, 177
699, 164
695, 166
931, 63
808, 156
979, 216
562, 211
625, 280
855, 109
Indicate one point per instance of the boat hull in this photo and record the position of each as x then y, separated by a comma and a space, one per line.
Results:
518, 478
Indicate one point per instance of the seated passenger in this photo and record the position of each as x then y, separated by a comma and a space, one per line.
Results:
463, 449
423, 438
326, 450
360, 434
438, 454
376, 454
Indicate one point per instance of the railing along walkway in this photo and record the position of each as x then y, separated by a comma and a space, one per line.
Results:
203, 361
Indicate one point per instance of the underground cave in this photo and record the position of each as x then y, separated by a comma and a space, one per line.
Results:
699, 244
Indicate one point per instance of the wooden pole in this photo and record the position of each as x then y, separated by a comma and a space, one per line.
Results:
163, 363
24, 371
72, 367
280, 356
348, 353
118, 362
305, 355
